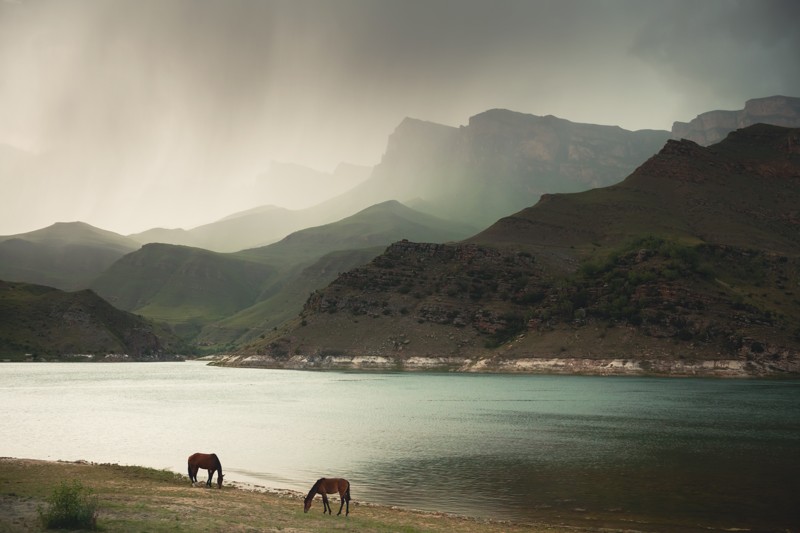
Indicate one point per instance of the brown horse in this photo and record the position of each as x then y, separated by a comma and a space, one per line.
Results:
325, 486
210, 462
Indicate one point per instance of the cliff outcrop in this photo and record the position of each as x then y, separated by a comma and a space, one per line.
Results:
713, 126
501, 162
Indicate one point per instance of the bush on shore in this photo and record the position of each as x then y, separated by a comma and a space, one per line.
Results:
71, 506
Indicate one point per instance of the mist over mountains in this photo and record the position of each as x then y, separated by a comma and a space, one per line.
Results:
232, 282
499, 163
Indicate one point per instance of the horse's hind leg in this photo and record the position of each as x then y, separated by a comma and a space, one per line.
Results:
345, 496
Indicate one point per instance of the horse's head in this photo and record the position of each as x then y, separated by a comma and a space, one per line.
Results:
307, 504
219, 480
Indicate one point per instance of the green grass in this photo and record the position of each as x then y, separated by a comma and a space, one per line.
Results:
136, 499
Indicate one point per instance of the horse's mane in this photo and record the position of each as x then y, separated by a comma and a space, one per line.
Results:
217, 461
314, 489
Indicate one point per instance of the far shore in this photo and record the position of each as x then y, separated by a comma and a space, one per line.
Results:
555, 366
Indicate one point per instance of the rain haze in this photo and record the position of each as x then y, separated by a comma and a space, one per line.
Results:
133, 114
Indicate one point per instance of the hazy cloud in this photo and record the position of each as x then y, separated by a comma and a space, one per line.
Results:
153, 112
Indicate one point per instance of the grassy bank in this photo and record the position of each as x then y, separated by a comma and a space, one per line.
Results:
141, 499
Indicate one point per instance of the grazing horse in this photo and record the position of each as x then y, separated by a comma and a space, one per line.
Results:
210, 462
325, 486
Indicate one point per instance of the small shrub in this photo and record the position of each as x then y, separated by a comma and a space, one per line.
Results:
71, 506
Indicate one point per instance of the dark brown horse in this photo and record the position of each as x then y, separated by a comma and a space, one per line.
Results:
325, 486
210, 462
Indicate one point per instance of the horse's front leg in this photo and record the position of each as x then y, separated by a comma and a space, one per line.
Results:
325, 505
210, 475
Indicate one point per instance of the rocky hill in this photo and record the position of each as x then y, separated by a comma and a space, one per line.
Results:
689, 266
713, 126
39, 323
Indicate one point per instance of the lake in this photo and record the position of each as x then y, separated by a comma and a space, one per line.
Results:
660, 452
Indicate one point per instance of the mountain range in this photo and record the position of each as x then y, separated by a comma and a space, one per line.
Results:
689, 265
220, 287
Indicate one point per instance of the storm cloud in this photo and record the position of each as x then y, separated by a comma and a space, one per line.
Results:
130, 114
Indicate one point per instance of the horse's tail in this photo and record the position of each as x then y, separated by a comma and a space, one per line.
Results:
347, 492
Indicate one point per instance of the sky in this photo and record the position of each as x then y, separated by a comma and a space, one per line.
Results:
133, 114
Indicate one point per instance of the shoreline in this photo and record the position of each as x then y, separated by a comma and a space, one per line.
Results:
135, 498
127, 490
539, 366
567, 366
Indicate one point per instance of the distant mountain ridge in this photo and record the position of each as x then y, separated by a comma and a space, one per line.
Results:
266, 224
501, 162
66, 255
690, 265
713, 126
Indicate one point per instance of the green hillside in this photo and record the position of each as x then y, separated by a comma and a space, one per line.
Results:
219, 299
284, 300
692, 264
45, 323
182, 286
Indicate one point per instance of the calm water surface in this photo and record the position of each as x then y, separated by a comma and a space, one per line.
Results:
677, 451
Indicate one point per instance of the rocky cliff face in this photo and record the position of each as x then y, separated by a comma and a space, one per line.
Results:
713, 126
503, 161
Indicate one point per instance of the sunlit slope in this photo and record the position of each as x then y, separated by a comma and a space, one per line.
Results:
694, 257
378, 225
65, 255
45, 322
